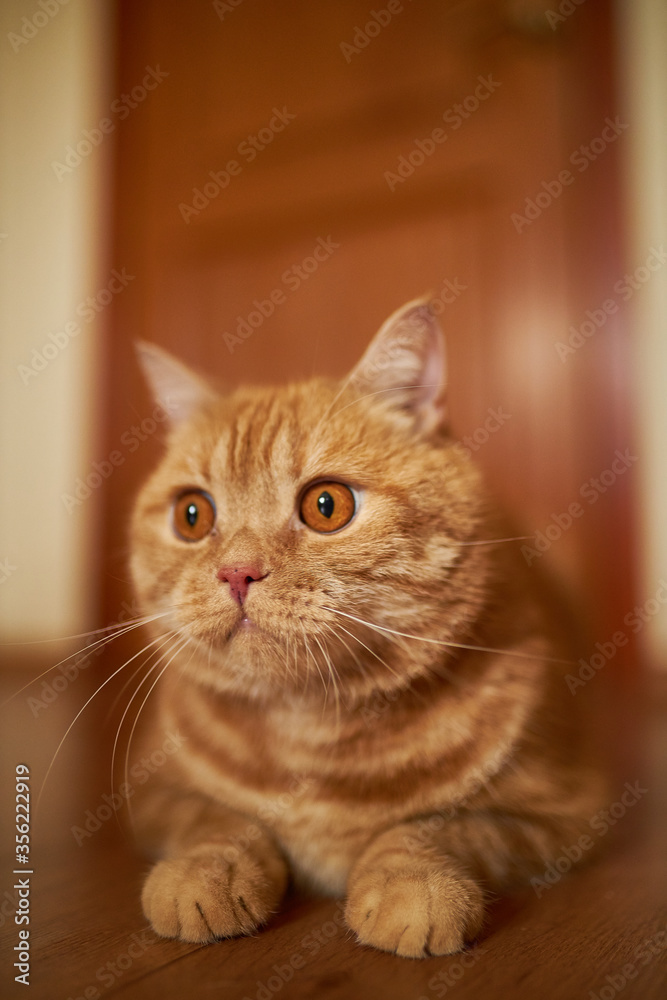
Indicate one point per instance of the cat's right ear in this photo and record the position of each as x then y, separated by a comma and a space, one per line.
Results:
406, 363
178, 390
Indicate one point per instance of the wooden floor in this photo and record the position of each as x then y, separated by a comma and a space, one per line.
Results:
594, 933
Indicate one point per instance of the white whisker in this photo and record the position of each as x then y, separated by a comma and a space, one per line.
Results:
134, 674
445, 642
332, 675
494, 541
368, 648
309, 654
170, 636
79, 635
136, 720
340, 639
80, 712
391, 388
123, 630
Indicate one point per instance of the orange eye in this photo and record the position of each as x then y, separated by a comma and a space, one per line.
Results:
194, 516
327, 507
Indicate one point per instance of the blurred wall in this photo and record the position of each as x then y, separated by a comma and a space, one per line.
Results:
642, 31
55, 69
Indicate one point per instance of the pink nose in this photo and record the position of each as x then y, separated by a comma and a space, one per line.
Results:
239, 579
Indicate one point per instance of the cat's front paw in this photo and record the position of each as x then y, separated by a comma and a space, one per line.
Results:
423, 908
200, 896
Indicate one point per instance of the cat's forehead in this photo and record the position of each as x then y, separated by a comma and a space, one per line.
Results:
273, 433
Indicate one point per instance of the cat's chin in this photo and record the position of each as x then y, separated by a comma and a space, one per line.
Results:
246, 633
246, 646
237, 630
244, 626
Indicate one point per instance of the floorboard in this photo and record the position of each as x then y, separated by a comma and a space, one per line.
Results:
597, 932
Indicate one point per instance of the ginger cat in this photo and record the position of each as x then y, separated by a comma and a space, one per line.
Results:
369, 697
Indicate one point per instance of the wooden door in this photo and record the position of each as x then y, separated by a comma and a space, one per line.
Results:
291, 173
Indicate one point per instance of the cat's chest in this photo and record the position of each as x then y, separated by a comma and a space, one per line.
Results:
325, 787
322, 807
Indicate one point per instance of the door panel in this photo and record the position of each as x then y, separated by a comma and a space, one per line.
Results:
514, 100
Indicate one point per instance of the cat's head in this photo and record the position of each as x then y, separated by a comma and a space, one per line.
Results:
280, 520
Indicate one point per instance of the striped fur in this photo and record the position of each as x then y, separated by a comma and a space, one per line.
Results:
409, 775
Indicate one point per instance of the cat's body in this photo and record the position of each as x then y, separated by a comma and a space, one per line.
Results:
387, 762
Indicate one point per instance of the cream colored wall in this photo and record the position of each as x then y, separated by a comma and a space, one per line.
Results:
643, 60
54, 82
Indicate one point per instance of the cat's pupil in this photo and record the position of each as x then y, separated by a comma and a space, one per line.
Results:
191, 514
325, 504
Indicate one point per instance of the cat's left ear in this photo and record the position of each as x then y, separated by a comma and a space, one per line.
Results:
406, 363
174, 386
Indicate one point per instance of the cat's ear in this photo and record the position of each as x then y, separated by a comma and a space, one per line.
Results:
174, 386
406, 363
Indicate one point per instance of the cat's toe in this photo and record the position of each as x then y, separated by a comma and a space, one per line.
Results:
416, 911
201, 897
